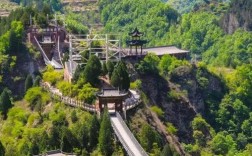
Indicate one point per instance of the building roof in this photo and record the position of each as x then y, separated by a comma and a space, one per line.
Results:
136, 42
111, 93
164, 50
136, 33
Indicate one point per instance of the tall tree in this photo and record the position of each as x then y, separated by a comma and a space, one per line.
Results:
148, 137
120, 77
149, 65
93, 132
104, 69
166, 151
105, 135
92, 70
77, 73
15, 38
28, 82
5, 103
110, 68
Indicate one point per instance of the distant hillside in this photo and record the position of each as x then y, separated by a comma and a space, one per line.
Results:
6, 7
152, 17
238, 16
183, 6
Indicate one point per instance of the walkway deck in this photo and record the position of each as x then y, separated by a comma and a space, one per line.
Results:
125, 136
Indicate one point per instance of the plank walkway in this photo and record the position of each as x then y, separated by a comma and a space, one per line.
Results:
129, 142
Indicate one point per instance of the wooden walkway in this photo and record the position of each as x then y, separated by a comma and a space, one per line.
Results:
130, 103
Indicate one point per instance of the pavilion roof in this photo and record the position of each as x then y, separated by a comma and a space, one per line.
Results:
111, 93
136, 33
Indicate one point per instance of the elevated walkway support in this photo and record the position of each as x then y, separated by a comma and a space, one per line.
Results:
125, 136
53, 62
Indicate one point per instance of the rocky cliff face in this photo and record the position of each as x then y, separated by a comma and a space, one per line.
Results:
186, 94
178, 112
238, 16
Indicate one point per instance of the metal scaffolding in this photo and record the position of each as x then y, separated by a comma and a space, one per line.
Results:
105, 46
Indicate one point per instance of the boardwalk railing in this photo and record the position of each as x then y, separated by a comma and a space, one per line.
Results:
55, 93
132, 138
129, 104
43, 52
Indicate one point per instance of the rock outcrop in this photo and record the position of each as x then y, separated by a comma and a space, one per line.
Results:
239, 15
182, 97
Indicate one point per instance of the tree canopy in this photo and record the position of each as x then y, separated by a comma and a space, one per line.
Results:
5, 103
105, 135
120, 76
92, 70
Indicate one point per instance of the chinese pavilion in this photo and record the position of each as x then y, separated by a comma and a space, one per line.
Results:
136, 41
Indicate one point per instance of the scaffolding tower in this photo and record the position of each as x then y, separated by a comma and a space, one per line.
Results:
104, 46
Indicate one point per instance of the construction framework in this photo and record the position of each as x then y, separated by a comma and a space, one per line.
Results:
105, 46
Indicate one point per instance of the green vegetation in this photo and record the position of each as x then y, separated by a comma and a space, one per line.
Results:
5, 103
120, 76
149, 64
171, 128
53, 128
239, 10
123, 16
92, 70
149, 138
228, 112
194, 5
2, 150
37, 98
74, 24
28, 82
110, 68
224, 120
158, 111
55, 4
52, 76
230, 50
136, 84
105, 135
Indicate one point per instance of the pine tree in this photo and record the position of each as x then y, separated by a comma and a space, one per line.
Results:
120, 77
105, 135
92, 70
5, 103
166, 151
93, 132
77, 73
28, 82
110, 68
104, 69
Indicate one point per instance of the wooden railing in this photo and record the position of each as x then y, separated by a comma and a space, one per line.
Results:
56, 94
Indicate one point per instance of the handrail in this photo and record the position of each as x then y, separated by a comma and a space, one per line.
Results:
125, 127
59, 51
68, 100
126, 147
41, 49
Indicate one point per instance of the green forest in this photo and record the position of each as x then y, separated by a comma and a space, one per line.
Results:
204, 101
